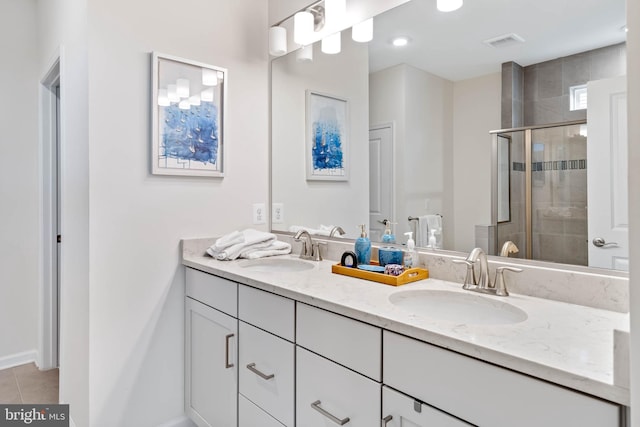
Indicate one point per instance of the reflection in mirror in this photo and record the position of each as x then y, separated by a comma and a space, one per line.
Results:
420, 117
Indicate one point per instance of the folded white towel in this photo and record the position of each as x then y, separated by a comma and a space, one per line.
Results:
435, 223
323, 230
422, 231
227, 240
250, 237
275, 248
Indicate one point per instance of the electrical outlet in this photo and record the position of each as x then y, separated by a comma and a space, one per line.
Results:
259, 213
277, 213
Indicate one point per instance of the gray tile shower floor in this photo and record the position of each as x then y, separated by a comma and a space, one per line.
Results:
28, 384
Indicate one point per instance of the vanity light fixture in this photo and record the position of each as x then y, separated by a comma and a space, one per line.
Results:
277, 41
331, 44
449, 5
303, 27
400, 41
305, 54
335, 10
363, 31
182, 86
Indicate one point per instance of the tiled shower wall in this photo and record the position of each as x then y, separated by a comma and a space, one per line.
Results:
539, 94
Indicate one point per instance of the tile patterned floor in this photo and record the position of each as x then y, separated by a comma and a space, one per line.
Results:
27, 384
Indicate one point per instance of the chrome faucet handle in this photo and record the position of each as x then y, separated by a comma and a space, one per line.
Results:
306, 252
500, 285
315, 250
470, 278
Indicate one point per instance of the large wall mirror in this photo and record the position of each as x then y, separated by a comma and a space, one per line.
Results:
419, 118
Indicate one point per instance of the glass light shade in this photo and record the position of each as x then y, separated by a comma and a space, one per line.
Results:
184, 104
277, 41
363, 32
182, 88
305, 54
335, 11
207, 95
303, 27
449, 5
209, 77
163, 98
172, 93
331, 44
194, 100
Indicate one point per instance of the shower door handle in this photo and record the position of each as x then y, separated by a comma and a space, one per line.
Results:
599, 242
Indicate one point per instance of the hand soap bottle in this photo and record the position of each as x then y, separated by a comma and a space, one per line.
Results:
432, 239
363, 247
411, 255
388, 237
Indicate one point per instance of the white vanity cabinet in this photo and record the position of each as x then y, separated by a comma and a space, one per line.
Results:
211, 340
338, 362
399, 410
267, 364
484, 394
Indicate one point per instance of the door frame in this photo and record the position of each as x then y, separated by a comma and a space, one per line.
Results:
50, 132
391, 125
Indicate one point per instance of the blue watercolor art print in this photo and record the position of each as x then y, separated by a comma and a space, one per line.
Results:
188, 103
327, 128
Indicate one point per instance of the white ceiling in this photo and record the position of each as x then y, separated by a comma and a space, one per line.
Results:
450, 45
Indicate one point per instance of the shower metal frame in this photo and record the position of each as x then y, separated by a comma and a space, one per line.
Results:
528, 132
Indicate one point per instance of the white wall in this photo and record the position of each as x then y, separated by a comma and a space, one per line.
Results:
419, 104
19, 251
476, 111
62, 30
345, 76
633, 87
137, 284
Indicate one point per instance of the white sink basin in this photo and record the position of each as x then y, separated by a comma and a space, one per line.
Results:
277, 265
458, 307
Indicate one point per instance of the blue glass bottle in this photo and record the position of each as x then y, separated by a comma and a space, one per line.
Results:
363, 247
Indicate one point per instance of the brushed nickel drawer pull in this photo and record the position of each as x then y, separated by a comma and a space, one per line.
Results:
227, 365
252, 368
316, 405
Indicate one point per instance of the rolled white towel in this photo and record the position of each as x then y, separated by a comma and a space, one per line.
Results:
227, 240
250, 237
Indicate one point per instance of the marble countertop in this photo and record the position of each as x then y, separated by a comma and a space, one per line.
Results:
566, 344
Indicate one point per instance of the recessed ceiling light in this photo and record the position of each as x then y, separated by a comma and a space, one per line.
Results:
400, 41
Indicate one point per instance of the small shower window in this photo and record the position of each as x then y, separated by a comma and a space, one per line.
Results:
578, 97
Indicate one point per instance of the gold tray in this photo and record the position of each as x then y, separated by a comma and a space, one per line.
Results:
408, 276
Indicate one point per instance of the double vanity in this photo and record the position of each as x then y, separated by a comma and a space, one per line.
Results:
284, 342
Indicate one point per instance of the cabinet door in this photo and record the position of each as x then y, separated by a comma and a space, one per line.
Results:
211, 375
328, 394
266, 372
399, 410
249, 415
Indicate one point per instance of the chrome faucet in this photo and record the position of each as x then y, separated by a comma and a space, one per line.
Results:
336, 229
481, 282
306, 251
509, 248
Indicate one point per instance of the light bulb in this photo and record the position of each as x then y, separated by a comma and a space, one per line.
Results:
363, 32
331, 44
302, 28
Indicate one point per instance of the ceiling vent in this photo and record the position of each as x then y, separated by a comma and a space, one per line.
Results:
504, 40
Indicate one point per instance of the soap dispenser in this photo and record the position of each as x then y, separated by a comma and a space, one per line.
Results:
411, 255
363, 247
432, 239
388, 237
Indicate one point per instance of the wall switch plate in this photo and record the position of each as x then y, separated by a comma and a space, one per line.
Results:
259, 213
277, 213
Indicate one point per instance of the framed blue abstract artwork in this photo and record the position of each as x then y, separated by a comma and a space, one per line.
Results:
327, 146
188, 105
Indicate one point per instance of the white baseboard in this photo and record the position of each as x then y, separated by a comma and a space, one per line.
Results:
18, 359
182, 421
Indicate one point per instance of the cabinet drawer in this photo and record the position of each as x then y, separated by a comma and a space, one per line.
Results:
216, 292
339, 392
486, 394
263, 353
267, 311
405, 411
348, 342
249, 415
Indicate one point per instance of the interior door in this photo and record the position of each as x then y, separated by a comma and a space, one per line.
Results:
381, 180
607, 189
